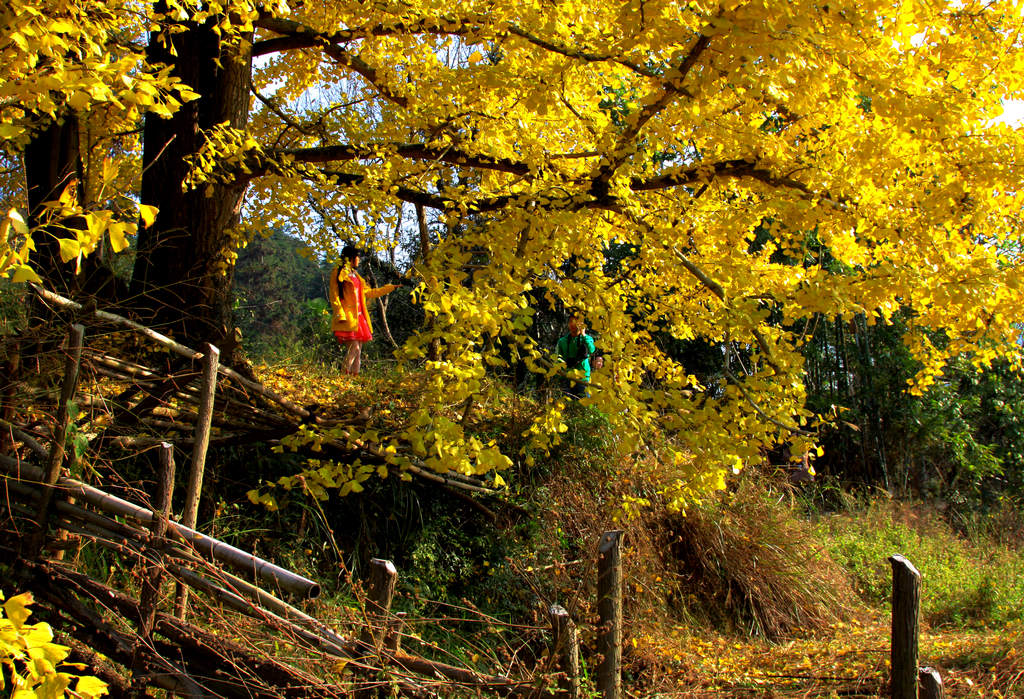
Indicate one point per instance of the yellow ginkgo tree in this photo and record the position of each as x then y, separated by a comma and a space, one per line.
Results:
73, 89
720, 170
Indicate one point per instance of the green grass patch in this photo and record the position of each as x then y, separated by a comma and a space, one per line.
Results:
968, 581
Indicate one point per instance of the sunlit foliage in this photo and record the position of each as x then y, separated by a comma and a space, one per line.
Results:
731, 145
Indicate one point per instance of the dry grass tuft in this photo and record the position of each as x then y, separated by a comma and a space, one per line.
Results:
746, 562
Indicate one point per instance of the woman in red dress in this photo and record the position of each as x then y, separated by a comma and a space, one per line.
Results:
350, 320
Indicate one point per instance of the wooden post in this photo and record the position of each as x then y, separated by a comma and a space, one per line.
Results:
929, 683
379, 594
906, 602
393, 640
200, 445
72, 362
565, 648
380, 591
609, 607
150, 595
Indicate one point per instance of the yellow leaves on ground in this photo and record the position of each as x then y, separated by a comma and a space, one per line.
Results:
853, 659
381, 420
33, 663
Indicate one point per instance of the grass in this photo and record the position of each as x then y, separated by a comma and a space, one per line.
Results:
967, 581
972, 629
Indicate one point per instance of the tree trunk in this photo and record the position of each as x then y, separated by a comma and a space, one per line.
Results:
52, 164
184, 270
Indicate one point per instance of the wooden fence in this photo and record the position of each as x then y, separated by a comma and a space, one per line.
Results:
44, 508
163, 548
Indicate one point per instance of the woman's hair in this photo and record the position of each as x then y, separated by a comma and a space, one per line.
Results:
350, 252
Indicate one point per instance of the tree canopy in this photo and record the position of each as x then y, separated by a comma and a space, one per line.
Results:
767, 164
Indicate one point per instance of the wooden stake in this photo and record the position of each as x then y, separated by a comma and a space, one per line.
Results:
393, 640
906, 601
211, 361
929, 684
380, 592
72, 362
609, 607
150, 594
565, 648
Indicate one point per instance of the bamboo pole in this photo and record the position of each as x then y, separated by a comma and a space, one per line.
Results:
906, 600
73, 361
211, 360
609, 606
246, 562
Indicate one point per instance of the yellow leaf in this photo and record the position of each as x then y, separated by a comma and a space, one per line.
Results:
91, 687
20, 227
24, 273
110, 170
118, 241
16, 608
148, 214
9, 132
69, 249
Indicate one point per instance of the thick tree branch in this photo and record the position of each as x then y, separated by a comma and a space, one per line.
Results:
627, 140
295, 35
739, 167
412, 151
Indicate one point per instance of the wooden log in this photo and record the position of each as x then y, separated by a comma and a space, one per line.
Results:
906, 601
609, 607
73, 361
929, 684
211, 360
565, 648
